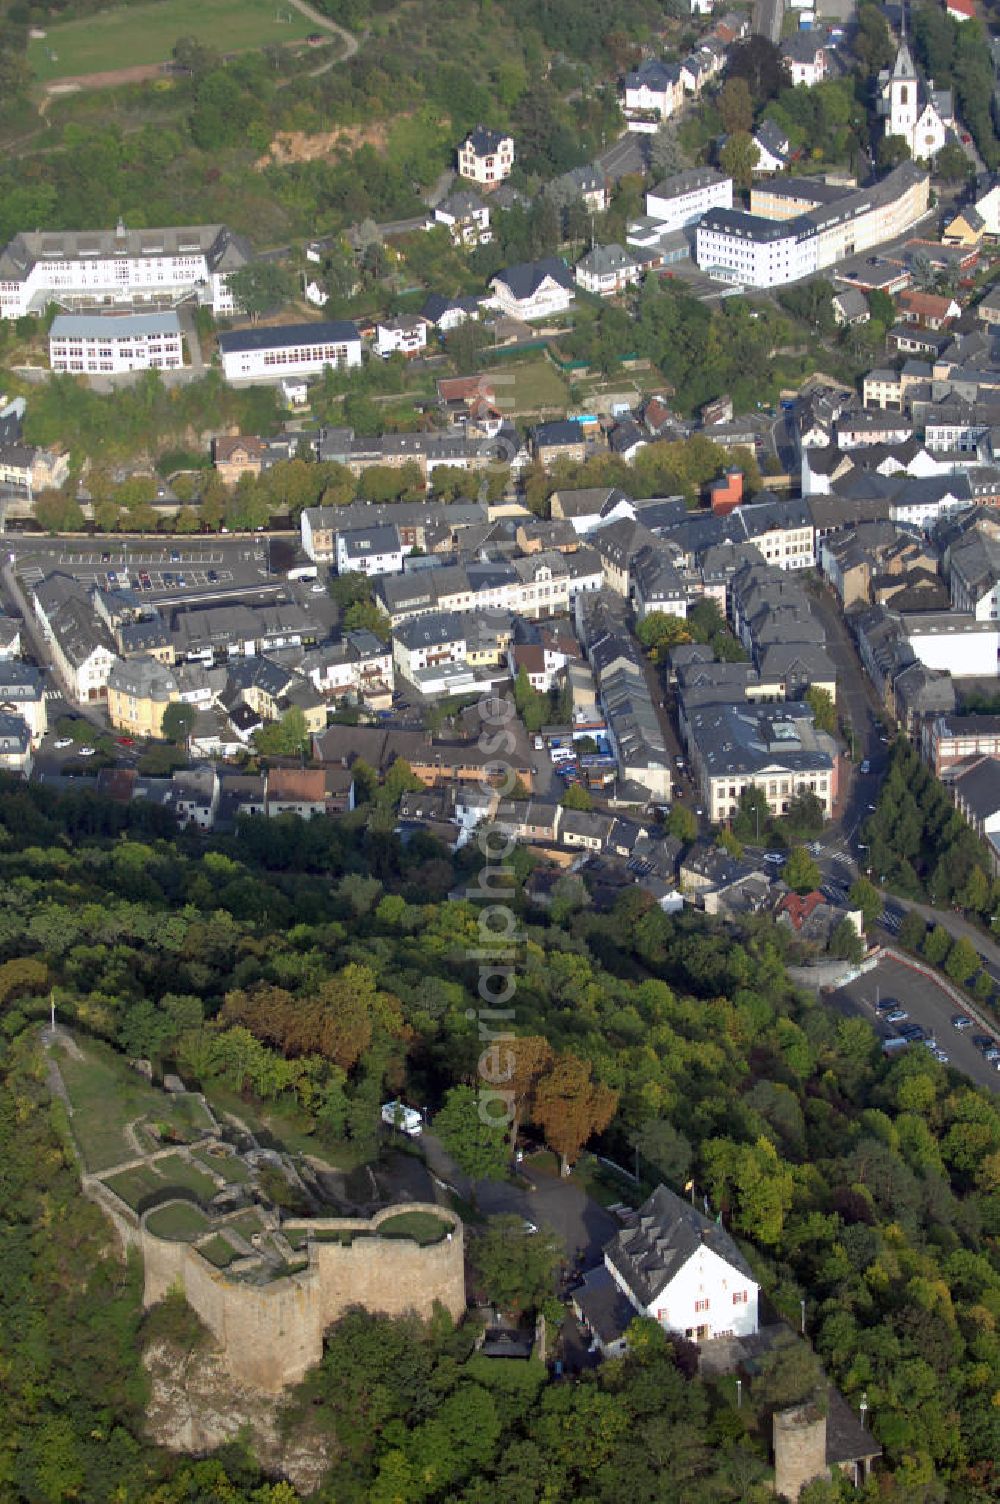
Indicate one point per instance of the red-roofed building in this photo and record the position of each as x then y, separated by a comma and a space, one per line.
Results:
726, 493
928, 309
799, 906
961, 10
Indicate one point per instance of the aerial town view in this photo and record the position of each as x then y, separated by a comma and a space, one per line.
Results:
500, 751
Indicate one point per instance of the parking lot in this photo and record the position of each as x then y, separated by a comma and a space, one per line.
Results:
153, 568
926, 1004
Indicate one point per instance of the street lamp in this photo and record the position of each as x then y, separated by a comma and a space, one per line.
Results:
864, 1407
802, 1313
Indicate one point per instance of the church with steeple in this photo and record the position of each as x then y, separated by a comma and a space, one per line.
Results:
913, 109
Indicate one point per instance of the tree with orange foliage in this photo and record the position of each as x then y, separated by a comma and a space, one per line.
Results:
570, 1105
336, 1020
513, 1066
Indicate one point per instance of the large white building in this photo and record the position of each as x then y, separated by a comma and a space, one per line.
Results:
684, 1271
682, 199
533, 289
120, 268
918, 112
486, 156
735, 246
654, 88
98, 344
262, 354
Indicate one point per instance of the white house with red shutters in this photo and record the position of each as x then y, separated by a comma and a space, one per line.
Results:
684, 1270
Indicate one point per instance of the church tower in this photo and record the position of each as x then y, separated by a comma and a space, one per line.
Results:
904, 89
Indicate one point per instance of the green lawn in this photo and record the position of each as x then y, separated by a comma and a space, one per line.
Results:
144, 34
177, 1171
283, 1126
107, 1093
246, 1224
133, 1185
227, 1165
180, 1222
531, 386
218, 1251
422, 1227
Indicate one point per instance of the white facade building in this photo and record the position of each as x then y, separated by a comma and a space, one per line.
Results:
262, 354
374, 550
120, 268
486, 156
741, 247
959, 644
606, 270
406, 335
534, 289
93, 344
919, 113
765, 252
682, 199
684, 1271
654, 88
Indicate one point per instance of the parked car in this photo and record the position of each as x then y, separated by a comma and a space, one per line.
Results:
213, 578
912, 1032
175, 557
866, 766
88, 751
124, 741
62, 743
776, 858
982, 1041
897, 1016
961, 1021
886, 1006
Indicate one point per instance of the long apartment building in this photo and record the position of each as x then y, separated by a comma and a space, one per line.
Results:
775, 748
120, 268
413, 519
758, 250
100, 344
543, 584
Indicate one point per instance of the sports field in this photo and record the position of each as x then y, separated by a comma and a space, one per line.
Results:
140, 35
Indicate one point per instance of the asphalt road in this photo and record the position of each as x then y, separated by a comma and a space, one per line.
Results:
855, 703
927, 1005
767, 18
581, 1225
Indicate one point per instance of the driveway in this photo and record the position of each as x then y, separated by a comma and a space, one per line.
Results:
856, 703
581, 1226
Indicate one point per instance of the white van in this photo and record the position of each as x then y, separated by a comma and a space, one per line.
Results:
561, 754
407, 1119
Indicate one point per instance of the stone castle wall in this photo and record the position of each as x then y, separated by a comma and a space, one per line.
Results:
272, 1333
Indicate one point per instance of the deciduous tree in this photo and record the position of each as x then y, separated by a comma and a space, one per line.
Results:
570, 1105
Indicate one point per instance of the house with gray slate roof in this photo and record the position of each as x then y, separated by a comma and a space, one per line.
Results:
683, 1270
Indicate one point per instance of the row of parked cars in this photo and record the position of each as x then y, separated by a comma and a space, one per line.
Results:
893, 1013
906, 1032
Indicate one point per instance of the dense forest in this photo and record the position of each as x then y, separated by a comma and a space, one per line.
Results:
318, 966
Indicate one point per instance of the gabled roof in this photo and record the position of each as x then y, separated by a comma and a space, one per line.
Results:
525, 278
772, 138
654, 75
668, 1232
484, 141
